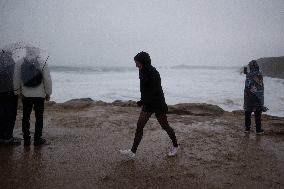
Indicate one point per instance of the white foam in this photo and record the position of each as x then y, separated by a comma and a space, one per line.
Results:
222, 87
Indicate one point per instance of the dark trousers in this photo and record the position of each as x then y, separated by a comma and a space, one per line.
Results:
28, 104
257, 115
162, 119
8, 113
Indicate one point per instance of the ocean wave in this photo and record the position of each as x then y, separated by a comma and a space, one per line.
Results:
231, 102
85, 69
182, 66
82, 69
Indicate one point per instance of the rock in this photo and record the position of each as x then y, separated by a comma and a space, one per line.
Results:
77, 103
238, 112
100, 103
129, 103
197, 109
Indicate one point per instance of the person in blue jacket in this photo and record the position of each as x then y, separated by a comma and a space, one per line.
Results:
253, 97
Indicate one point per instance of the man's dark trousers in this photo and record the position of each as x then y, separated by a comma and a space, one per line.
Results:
28, 104
8, 113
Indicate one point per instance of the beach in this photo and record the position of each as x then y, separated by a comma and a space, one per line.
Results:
84, 137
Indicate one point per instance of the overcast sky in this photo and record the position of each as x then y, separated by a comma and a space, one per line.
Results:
174, 32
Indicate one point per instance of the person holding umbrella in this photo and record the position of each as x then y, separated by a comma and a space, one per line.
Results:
36, 87
152, 101
8, 99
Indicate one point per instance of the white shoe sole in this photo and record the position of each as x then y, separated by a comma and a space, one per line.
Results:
173, 155
126, 155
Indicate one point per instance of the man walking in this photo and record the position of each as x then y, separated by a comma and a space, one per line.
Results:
152, 101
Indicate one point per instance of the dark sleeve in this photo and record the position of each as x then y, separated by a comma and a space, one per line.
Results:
151, 87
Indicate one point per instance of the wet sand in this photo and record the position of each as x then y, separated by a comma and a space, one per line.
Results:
85, 137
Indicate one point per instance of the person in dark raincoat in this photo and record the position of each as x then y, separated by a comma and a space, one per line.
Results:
152, 101
253, 97
8, 99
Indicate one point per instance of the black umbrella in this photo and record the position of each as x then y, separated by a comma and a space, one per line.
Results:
7, 65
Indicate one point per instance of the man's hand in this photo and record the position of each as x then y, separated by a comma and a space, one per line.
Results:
139, 103
47, 98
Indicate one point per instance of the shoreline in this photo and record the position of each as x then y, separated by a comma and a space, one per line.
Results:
198, 109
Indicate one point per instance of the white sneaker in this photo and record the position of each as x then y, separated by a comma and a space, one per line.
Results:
173, 151
128, 153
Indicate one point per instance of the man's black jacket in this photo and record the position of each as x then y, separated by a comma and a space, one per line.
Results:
150, 87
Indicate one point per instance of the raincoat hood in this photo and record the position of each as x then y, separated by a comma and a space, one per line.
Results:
253, 70
144, 59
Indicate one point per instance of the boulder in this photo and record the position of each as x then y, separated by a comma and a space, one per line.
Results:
77, 103
197, 109
128, 103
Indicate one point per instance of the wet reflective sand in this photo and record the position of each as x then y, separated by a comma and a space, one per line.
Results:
84, 144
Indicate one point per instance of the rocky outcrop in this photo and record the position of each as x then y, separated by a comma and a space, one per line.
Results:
197, 109
77, 103
272, 67
128, 103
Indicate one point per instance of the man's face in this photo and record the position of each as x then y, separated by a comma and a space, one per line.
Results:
138, 65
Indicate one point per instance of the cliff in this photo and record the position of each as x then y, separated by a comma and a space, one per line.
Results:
272, 67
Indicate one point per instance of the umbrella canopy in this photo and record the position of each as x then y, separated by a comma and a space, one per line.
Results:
7, 65
24, 61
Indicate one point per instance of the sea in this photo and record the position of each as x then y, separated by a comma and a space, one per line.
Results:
222, 86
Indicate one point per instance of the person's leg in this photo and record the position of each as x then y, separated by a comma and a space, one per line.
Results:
247, 120
2, 117
11, 116
257, 115
27, 109
163, 121
143, 118
39, 109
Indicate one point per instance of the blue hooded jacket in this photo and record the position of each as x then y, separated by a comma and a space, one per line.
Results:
254, 89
